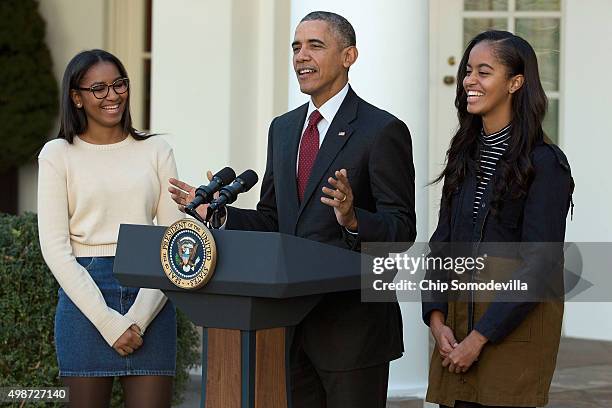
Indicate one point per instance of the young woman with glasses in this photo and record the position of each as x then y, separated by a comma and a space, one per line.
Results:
97, 174
504, 182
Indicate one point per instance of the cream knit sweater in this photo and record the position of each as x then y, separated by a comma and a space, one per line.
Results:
84, 192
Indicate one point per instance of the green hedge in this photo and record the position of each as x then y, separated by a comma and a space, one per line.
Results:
28, 89
28, 296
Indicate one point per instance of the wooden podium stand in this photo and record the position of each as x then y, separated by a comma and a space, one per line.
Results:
264, 284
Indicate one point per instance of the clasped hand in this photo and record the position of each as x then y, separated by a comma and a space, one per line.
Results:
463, 355
457, 357
129, 341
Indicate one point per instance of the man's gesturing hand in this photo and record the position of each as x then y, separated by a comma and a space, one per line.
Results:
341, 199
183, 193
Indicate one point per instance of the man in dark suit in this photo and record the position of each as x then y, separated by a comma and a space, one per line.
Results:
338, 171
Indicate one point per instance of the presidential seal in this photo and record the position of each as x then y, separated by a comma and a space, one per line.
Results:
188, 254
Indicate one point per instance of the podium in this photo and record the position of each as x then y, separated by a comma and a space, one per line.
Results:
263, 284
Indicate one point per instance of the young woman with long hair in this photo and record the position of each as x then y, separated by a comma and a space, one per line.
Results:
97, 174
504, 182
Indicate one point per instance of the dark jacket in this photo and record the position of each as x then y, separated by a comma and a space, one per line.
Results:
341, 332
506, 373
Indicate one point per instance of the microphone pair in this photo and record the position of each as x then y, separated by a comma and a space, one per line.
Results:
228, 186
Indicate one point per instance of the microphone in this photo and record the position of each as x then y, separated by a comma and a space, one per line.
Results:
204, 194
228, 194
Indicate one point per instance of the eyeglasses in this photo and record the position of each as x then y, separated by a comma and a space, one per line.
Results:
100, 91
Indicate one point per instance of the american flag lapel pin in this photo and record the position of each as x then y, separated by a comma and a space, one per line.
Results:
343, 133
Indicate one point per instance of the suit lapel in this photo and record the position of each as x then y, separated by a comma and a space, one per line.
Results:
337, 135
289, 150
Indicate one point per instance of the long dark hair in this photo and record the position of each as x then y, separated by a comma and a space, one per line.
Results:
73, 121
529, 105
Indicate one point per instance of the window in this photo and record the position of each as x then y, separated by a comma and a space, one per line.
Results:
538, 22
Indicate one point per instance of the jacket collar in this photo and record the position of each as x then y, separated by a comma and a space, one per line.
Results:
338, 134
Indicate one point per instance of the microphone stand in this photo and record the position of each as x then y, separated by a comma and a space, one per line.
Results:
213, 218
195, 215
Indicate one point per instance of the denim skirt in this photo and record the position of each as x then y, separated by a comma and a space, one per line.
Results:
83, 352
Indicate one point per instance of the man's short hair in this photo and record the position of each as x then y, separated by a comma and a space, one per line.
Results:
339, 25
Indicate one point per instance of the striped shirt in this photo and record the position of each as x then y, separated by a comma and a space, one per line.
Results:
492, 147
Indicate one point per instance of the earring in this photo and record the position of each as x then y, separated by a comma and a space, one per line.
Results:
78, 105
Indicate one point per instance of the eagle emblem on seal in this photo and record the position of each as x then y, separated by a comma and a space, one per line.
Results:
186, 254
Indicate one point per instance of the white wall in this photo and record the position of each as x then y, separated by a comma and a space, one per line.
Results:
71, 26
587, 141
216, 83
392, 73
587, 99
190, 82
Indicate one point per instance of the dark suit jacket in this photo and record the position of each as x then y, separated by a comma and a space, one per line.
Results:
342, 333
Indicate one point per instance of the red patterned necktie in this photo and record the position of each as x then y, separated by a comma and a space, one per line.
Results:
309, 147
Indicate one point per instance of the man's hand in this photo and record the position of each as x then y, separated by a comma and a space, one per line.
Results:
341, 199
182, 194
464, 355
129, 341
445, 339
